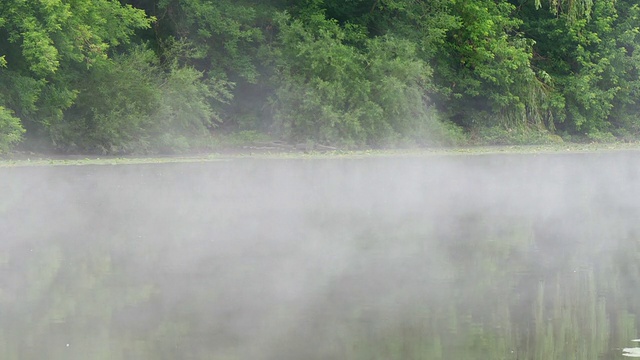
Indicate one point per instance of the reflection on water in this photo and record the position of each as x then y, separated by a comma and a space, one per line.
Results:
495, 257
632, 352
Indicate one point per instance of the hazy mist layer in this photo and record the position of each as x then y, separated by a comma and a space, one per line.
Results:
515, 257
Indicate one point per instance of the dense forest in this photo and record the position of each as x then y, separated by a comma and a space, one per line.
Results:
158, 76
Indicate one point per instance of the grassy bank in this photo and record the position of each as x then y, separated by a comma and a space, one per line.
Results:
272, 152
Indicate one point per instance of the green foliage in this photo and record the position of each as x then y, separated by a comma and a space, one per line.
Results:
10, 130
333, 85
484, 66
626, 64
114, 105
573, 9
131, 104
601, 137
350, 73
593, 66
424, 23
42, 36
47, 45
446, 133
188, 98
224, 43
240, 138
318, 94
498, 135
223, 32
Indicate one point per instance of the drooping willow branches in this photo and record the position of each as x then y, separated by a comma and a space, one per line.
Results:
573, 8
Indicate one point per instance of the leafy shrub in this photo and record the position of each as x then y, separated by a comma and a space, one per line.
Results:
335, 86
10, 130
113, 107
245, 137
190, 103
131, 103
445, 133
601, 136
498, 135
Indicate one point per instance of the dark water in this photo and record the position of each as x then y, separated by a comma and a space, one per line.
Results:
483, 257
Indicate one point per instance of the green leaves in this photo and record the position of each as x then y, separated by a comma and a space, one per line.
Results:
592, 70
10, 130
484, 68
334, 85
224, 33
343, 72
130, 103
51, 42
49, 32
38, 49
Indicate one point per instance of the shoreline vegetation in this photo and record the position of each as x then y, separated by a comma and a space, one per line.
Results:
151, 77
261, 151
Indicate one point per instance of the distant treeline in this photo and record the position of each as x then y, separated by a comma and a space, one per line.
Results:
110, 76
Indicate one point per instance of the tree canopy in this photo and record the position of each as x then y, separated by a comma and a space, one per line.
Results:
109, 76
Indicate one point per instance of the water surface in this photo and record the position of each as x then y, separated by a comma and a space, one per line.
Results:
496, 257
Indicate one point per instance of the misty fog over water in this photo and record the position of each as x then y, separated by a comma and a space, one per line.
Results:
426, 257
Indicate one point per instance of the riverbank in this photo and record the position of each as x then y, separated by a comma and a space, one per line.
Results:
35, 159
